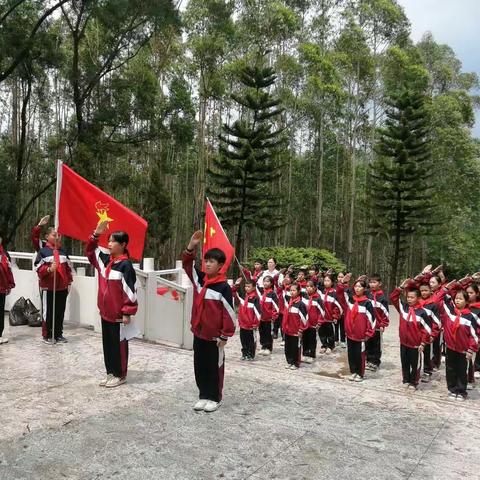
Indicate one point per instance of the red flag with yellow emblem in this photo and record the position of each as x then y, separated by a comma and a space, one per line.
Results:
215, 237
81, 206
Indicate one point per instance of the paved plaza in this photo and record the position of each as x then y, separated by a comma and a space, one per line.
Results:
56, 423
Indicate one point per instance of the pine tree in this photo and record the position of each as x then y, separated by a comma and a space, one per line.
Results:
249, 157
400, 193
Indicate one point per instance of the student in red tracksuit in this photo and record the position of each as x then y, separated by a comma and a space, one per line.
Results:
315, 313
54, 270
437, 281
270, 311
282, 287
428, 302
340, 338
333, 312
474, 305
359, 323
301, 281
257, 271
117, 300
6, 284
415, 332
295, 321
461, 339
249, 314
213, 322
380, 305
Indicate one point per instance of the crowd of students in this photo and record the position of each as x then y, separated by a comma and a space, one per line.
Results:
435, 316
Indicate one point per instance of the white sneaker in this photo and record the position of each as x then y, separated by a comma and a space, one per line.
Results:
211, 406
352, 377
267, 353
200, 405
282, 343
303, 359
452, 395
476, 375
328, 351
470, 386
103, 383
115, 382
309, 360
343, 344
293, 367
358, 378
322, 351
287, 366
3, 340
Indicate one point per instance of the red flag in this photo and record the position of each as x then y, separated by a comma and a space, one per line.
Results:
214, 237
81, 206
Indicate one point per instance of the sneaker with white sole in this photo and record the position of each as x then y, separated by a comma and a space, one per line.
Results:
200, 405
358, 378
49, 341
470, 386
211, 406
322, 351
476, 374
282, 343
452, 395
303, 359
343, 345
267, 352
115, 382
309, 359
293, 367
61, 339
105, 380
351, 378
287, 366
3, 340
426, 377
328, 351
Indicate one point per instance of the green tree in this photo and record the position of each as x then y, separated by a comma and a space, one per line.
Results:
249, 157
400, 191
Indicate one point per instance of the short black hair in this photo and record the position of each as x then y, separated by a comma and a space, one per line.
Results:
376, 278
311, 283
258, 260
249, 281
215, 254
416, 291
363, 283
120, 237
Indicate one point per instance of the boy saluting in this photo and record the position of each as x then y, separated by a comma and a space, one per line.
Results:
212, 322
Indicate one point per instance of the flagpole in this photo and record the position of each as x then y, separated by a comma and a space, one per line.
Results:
56, 222
241, 268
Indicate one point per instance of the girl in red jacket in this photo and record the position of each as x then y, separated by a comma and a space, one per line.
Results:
474, 304
461, 339
315, 313
295, 321
249, 314
6, 284
359, 323
333, 312
270, 310
415, 332
117, 300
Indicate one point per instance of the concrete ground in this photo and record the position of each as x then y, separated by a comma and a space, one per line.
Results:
55, 422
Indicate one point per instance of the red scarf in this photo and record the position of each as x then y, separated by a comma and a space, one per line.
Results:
292, 301
60, 266
266, 291
456, 323
4, 263
112, 261
199, 301
244, 307
354, 311
412, 315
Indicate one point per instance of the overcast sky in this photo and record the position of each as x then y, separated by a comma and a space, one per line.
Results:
454, 22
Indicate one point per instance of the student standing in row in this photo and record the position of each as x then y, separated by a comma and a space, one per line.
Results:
213, 322
6, 284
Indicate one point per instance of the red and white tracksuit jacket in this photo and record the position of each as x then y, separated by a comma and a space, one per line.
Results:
359, 314
217, 317
295, 316
415, 322
315, 309
45, 256
6, 276
380, 305
332, 308
269, 303
249, 311
116, 283
459, 327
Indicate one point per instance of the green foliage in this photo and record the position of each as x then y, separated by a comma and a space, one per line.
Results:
298, 257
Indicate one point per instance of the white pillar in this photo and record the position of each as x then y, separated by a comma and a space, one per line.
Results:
148, 264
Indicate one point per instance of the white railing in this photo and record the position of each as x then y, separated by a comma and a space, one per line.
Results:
163, 318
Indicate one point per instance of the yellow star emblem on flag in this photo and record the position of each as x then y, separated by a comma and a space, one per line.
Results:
102, 212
